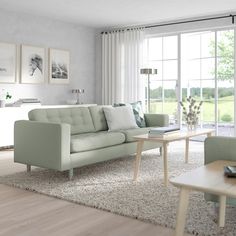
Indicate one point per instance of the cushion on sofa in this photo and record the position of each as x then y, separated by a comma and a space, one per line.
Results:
138, 112
99, 119
92, 141
78, 117
129, 133
119, 118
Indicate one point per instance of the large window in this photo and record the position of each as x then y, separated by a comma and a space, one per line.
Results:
198, 71
199, 64
163, 55
225, 82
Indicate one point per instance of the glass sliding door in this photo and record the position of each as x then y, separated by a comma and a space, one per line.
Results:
225, 82
207, 72
162, 53
198, 72
200, 64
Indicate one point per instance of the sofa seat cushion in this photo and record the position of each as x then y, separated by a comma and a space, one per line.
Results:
129, 133
92, 141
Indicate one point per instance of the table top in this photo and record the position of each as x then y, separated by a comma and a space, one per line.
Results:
182, 134
209, 178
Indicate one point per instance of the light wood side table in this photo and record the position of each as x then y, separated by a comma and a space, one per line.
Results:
180, 135
210, 179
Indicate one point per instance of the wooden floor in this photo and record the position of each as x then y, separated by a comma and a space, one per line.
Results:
24, 213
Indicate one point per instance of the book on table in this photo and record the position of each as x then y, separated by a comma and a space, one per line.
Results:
163, 131
230, 171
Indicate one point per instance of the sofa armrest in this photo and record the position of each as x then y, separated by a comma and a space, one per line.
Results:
153, 120
219, 148
42, 144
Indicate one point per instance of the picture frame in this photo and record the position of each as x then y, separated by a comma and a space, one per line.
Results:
59, 66
32, 64
8, 62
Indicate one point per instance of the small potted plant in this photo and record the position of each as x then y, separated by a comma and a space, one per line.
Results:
191, 113
3, 97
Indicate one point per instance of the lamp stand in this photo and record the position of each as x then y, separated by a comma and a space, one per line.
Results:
78, 101
149, 106
148, 72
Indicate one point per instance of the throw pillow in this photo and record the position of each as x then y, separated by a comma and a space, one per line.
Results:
120, 118
138, 112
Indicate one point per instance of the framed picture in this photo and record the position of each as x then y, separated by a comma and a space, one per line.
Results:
7, 63
59, 63
32, 64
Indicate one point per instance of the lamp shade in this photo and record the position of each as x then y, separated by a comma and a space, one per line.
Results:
148, 71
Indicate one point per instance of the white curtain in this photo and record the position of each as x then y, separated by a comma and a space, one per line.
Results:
121, 61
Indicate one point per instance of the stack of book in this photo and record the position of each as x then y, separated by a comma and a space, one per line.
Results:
162, 131
27, 102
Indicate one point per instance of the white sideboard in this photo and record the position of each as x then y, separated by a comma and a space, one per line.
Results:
8, 116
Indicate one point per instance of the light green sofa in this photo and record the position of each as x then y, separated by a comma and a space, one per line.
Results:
219, 148
66, 138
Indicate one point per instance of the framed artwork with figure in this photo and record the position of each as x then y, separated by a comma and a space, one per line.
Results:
32, 64
8, 62
59, 64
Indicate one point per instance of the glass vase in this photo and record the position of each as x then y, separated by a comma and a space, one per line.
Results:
191, 126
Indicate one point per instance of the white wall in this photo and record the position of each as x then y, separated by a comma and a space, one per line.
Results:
39, 31
99, 67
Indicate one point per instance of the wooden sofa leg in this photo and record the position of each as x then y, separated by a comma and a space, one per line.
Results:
71, 173
28, 167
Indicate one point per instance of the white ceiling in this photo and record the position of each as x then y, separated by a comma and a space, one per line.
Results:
118, 13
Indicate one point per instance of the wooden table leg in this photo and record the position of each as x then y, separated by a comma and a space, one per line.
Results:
138, 159
222, 211
182, 211
165, 164
186, 150
28, 167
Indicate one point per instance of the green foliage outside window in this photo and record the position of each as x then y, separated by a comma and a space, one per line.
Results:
225, 55
226, 118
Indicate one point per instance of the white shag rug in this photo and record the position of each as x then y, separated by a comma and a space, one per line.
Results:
109, 186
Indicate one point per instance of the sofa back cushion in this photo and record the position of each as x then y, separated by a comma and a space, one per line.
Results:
78, 117
138, 112
119, 118
99, 119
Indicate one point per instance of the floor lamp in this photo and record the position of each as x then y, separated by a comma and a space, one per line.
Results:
148, 72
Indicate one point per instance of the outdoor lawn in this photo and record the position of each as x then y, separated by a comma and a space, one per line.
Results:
225, 109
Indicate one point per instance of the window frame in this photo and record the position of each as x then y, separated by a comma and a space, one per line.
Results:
179, 70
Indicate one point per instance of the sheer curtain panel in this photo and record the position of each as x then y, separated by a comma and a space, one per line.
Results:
121, 62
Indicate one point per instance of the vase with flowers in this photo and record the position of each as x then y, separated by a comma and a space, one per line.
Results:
191, 112
3, 97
